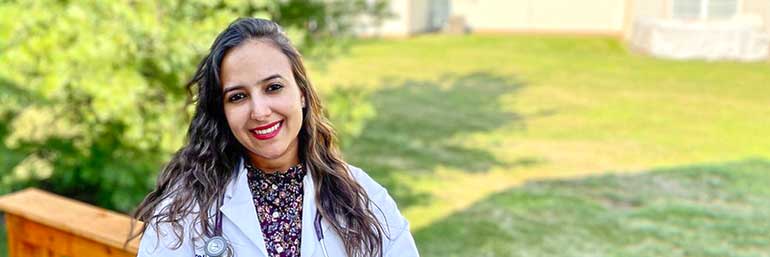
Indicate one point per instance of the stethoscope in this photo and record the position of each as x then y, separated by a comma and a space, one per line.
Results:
217, 245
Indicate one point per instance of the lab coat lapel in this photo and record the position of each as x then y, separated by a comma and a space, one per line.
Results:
309, 240
239, 208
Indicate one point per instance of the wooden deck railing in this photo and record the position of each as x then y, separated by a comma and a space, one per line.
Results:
44, 224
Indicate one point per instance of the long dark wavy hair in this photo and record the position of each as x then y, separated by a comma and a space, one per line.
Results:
198, 174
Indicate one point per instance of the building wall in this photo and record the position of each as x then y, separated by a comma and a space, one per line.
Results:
662, 9
760, 8
409, 17
558, 16
420, 16
601, 16
645, 8
486, 15
398, 25
650, 8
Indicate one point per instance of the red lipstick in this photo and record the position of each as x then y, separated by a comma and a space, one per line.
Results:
267, 131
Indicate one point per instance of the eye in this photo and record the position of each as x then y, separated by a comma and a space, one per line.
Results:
236, 97
274, 87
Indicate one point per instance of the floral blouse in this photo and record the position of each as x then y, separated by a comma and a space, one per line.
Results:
278, 199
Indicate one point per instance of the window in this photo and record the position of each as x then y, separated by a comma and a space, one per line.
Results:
705, 9
687, 9
722, 9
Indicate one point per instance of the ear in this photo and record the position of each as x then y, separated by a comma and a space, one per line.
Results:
302, 98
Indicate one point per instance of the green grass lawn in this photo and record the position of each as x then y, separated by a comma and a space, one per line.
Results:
462, 122
705, 210
459, 118
463, 125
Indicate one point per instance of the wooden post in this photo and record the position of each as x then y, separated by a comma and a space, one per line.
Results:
46, 225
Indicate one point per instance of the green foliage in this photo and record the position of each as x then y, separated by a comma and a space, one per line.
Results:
92, 91
351, 109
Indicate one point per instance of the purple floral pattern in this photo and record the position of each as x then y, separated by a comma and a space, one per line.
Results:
278, 199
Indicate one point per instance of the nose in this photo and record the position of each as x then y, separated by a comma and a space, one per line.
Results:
260, 109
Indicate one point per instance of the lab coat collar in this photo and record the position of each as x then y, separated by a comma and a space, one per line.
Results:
239, 208
309, 238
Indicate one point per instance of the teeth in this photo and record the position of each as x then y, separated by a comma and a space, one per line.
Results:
268, 130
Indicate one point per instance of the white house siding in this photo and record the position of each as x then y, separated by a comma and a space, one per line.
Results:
420, 15
760, 8
602, 16
398, 25
650, 8
409, 17
558, 16
645, 8
663, 9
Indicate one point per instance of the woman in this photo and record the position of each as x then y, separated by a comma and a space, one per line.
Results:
260, 174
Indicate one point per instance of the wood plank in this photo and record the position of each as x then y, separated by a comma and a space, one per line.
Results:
60, 243
87, 248
71, 216
13, 227
30, 250
47, 237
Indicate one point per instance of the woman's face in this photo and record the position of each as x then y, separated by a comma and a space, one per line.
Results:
262, 103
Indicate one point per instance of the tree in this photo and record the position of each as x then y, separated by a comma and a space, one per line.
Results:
92, 97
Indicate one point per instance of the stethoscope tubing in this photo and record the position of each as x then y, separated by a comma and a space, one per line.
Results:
319, 232
218, 233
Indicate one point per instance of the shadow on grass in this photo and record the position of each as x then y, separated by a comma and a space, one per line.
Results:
701, 210
420, 125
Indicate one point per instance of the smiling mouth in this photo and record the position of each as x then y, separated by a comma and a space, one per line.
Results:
268, 131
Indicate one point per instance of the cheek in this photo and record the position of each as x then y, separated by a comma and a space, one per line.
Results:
235, 118
294, 111
287, 106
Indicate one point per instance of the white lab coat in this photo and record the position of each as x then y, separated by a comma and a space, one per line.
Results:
242, 229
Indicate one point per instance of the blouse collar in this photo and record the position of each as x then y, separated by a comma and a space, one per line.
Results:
293, 174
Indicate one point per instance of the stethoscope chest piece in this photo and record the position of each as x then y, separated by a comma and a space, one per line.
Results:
216, 246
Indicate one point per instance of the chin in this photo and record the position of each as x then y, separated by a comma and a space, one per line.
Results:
270, 156
272, 153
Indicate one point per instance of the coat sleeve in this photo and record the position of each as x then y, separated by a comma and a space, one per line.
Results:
163, 243
398, 239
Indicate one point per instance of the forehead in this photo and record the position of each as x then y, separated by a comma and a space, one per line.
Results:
252, 61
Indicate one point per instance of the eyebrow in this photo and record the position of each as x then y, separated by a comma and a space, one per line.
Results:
238, 86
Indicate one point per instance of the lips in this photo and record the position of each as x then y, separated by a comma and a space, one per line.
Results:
267, 131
